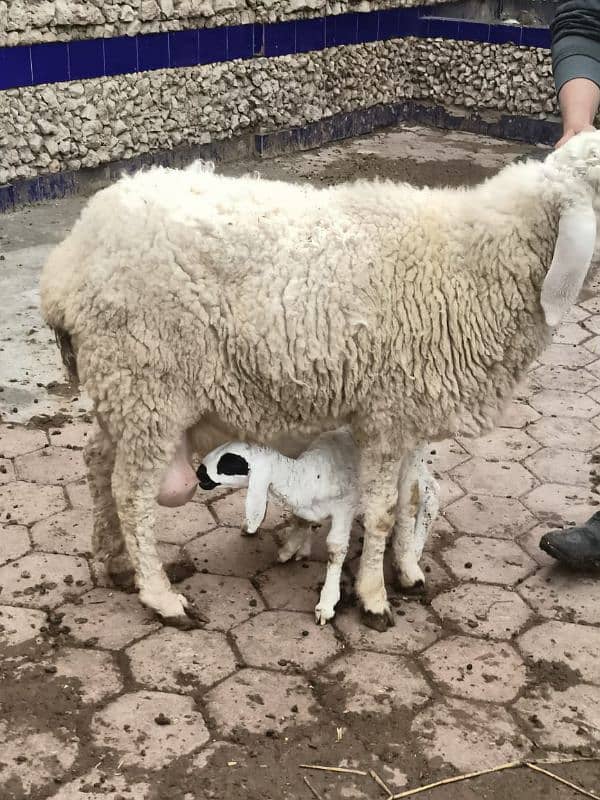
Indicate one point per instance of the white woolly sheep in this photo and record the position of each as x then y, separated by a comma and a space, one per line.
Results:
206, 309
321, 484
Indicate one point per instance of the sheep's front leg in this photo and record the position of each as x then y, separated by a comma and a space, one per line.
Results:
337, 547
136, 480
295, 540
107, 540
379, 493
418, 506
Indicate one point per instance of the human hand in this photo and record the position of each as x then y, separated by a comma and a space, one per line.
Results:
573, 131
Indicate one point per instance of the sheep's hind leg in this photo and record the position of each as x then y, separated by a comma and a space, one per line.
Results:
337, 546
107, 539
418, 506
139, 466
379, 493
295, 540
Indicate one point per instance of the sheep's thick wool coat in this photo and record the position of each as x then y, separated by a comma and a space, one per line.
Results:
267, 307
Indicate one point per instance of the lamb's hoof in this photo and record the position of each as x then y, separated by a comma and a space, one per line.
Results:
378, 622
418, 587
245, 532
323, 615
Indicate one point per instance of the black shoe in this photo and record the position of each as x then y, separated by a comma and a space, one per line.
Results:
577, 547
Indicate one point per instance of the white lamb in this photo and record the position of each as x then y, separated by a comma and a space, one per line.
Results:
201, 309
321, 484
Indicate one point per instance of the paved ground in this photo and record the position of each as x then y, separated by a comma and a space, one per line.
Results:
499, 661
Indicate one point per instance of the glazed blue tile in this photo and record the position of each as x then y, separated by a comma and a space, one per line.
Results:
259, 39
310, 34
120, 55
240, 41
7, 198
212, 45
443, 28
280, 38
15, 67
50, 62
536, 37
505, 34
367, 27
86, 59
183, 48
329, 31
153, 51
411, 22
388, 24
474, 31
345, 29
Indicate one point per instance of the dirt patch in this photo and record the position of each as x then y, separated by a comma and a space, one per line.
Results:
557, 674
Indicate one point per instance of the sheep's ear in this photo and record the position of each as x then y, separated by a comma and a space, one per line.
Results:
256, 497
572, 258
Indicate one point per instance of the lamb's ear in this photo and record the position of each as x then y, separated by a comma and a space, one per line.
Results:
256, 497
572, 258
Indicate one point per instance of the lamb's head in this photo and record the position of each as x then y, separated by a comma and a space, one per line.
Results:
575, 168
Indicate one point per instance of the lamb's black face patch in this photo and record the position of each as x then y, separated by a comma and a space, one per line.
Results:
232, 464
205, 481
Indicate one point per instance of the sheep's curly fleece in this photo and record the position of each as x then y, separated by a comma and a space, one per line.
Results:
247, 309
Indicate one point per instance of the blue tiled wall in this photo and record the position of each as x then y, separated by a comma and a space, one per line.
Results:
94, 58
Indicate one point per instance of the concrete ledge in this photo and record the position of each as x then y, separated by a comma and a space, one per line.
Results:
270, 144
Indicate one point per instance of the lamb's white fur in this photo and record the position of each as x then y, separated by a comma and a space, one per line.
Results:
222, 308
321, 484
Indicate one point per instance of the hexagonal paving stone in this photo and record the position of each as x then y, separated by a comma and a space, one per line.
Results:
530, 542
482, 610
488, 560
92, 786
571, 333
27, 503
108, 619
14, 542
557, 503
476, 670
378, 682
7, 471
176, 661
257, 701
502, 517
79, 495
593, 345
53, 465
591, 306
562, 378
180, 525
594, 369
518, 415
96, 673
29, 759
294, 586
565, 404
502, 478
72, 434
563, 432
19, 625
469, 736
566, 355
273, 636
558, 593
44, 579
449, 491
555, 464
447, 455
225, 551
69, 533
128, 726
502, 444
225, 601
230, 510
563, 719
593, 323
578, 646
415, 628
18, 441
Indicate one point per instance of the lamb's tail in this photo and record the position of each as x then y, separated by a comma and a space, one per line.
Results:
67, 352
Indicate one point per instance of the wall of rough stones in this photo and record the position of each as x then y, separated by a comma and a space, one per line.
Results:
31, 21
66, 126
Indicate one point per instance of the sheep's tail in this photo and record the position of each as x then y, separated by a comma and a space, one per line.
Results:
67, 352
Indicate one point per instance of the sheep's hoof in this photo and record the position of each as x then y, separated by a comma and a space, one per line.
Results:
378, 622
193, 618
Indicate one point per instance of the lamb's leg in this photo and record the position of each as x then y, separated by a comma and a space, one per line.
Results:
337, 547
418, 505
296, 540
107, 540
136, 479
379, 493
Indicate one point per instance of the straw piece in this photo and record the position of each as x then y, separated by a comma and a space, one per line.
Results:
381, 783
562, 780
343, 770
457, 778
311, 787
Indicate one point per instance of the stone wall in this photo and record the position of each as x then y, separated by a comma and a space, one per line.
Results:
66, 126
31, 21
